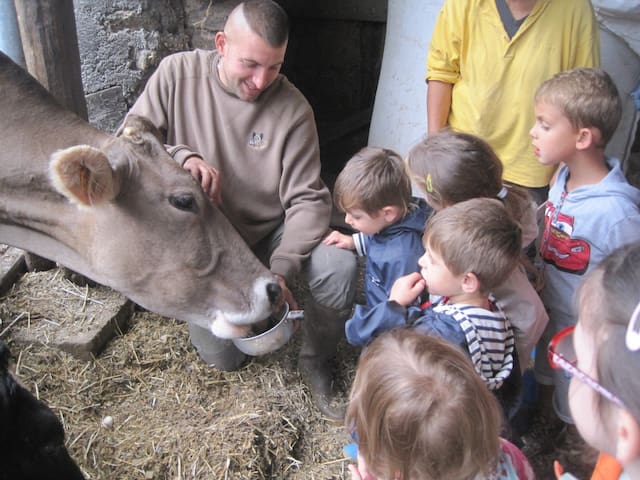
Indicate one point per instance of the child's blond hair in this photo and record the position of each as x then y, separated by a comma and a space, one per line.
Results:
451, 167
476, 236
588, 97
421, 411
372, 179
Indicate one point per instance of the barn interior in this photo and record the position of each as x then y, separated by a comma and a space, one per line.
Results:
104, 52
334, 57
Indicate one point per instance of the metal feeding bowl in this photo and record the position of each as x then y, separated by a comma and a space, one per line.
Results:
280, 329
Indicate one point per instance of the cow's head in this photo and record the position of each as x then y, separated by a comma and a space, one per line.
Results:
151, 233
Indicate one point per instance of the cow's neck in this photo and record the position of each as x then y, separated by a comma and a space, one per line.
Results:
34, 216
38, 219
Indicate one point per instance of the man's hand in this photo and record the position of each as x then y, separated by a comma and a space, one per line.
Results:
407, 288
340, 240
208, 177
287, 296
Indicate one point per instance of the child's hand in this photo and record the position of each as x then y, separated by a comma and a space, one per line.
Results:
340, 240
406, 289
360, 471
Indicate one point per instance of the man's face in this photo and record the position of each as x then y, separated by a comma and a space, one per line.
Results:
248, 64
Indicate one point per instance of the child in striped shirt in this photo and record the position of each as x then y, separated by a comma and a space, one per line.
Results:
470, 248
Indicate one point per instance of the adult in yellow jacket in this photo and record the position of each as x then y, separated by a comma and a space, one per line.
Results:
485, 61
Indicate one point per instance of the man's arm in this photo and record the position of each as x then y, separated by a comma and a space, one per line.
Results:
438, 105
443, 61
305, 199
154, 104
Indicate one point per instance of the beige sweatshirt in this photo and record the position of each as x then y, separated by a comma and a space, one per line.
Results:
266, 151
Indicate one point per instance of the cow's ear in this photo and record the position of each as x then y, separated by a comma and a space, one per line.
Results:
83, 175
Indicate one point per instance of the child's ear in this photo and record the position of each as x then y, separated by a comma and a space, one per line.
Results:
628, 437
391, 213
587, 138
470, 283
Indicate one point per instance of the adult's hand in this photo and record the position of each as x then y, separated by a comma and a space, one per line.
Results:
287, 296
208, 177
407, 288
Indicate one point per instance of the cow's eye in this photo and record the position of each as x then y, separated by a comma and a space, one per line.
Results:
184, 202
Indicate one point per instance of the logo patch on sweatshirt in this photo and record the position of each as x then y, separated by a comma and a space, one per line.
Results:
257, 141
559, 248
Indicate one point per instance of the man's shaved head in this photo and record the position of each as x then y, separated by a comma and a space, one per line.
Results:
265, 18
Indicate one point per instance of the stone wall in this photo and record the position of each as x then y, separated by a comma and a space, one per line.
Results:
120, 44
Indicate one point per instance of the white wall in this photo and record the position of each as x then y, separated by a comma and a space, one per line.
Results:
399, 113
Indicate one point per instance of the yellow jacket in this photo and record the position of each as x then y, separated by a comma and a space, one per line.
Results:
494, 78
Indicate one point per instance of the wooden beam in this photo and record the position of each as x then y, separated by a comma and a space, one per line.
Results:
51, 55
50, 45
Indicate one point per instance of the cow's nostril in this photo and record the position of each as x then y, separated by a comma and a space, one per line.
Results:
273, 292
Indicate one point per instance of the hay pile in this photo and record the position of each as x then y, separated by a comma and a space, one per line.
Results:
46, 307
172, 416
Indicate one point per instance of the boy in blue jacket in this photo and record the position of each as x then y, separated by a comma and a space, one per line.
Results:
471, 247
374, 191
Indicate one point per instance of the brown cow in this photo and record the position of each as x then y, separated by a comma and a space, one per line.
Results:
121, 212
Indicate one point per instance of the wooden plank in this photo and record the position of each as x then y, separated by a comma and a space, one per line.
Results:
50, 44
51, 54
12, 266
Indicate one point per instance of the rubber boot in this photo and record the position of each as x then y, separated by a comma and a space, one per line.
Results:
322, 329
216, 352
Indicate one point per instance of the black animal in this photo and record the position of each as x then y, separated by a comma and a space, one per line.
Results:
31, 435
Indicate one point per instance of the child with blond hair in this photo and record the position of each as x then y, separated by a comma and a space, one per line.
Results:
591, 210
374, 191
418, 410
